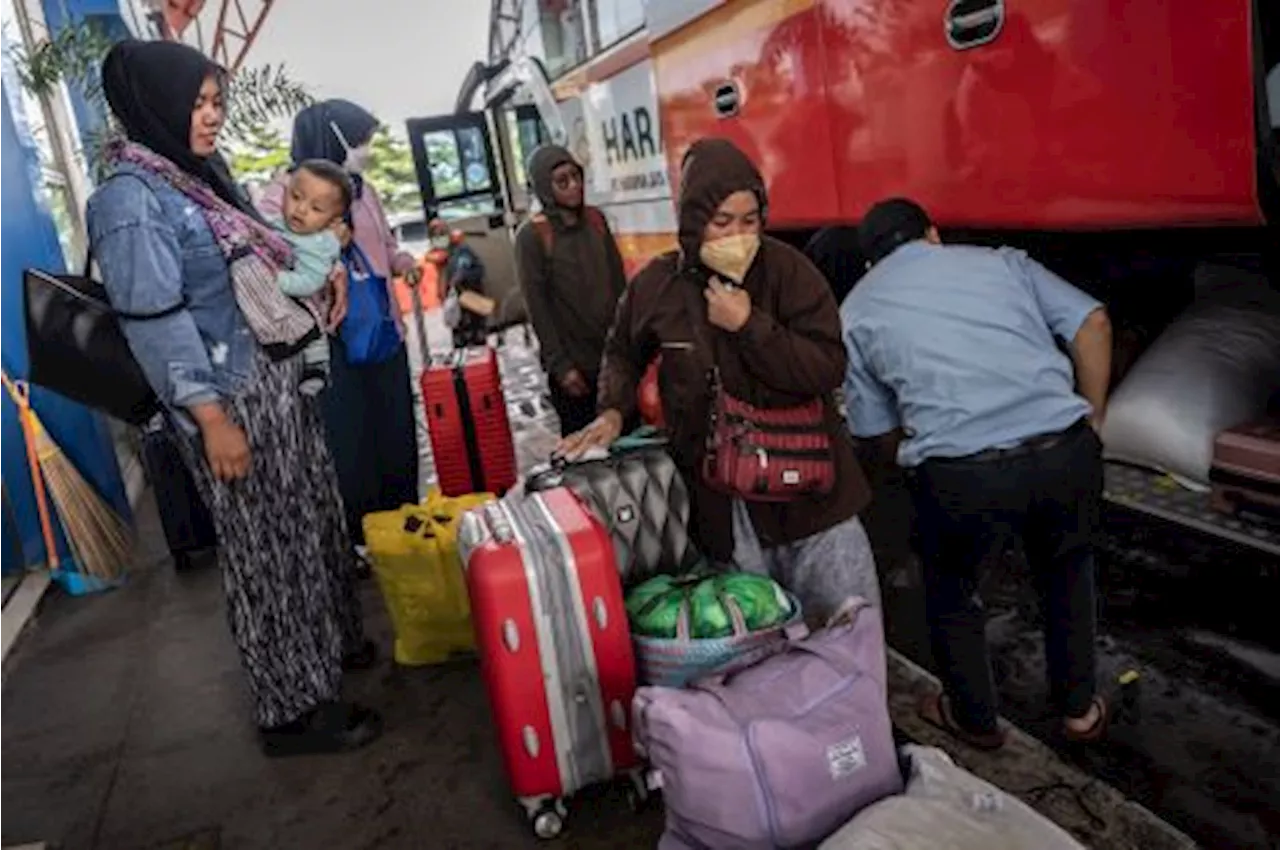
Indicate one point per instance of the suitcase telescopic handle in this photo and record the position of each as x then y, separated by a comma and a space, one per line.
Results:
421, 322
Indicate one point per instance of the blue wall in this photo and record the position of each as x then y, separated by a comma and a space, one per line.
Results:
30, 240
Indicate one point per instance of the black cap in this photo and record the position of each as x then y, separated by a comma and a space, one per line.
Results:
889, 224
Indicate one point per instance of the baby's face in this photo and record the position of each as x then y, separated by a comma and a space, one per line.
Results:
311, 203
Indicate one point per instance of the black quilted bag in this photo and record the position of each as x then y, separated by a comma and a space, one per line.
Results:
641, 498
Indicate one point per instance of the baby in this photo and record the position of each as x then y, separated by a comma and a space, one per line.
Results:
318, 196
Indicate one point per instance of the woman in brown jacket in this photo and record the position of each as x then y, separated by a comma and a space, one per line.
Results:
776, 342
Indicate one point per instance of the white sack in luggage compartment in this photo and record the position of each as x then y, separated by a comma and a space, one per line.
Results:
946, 806
1214, 367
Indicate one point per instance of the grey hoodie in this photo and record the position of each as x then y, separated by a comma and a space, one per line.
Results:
573, 293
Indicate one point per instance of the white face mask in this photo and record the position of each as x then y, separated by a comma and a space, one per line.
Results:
441, 242
731, 256
357, 158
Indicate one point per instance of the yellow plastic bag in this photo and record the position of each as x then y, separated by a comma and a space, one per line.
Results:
415, 559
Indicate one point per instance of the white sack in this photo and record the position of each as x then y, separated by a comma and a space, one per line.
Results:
1214, 367
946, 806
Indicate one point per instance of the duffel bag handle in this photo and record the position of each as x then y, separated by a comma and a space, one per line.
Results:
844, 620
847, 613
795, 637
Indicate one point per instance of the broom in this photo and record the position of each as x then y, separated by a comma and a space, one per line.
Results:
99, 539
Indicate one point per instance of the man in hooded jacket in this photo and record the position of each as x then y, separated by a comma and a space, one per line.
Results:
572, 276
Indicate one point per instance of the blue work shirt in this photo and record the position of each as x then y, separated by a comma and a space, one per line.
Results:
956, 345
154, 251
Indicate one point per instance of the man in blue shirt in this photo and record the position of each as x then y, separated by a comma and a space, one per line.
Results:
954, 358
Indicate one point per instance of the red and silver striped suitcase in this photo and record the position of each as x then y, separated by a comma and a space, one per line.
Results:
467, 420
555, 648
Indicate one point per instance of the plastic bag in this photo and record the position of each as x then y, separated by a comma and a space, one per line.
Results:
415, 560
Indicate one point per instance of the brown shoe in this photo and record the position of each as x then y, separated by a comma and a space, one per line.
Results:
935, 709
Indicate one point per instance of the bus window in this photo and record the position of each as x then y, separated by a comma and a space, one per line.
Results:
455, 165
526, 132
475, 171
615, 20
564, 42
445, 164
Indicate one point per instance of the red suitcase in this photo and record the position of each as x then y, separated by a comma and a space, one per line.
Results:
467, 420
555, 648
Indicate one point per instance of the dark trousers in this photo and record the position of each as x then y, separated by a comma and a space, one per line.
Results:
575, 412
1050, 497
368, 415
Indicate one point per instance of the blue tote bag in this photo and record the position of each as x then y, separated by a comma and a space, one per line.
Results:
369, 334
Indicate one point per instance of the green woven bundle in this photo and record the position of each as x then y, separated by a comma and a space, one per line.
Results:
654, 607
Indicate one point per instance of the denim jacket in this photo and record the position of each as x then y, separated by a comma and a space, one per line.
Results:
154, 251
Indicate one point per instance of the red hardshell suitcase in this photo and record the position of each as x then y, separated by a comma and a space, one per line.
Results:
1246, 469
467, 420
555, 648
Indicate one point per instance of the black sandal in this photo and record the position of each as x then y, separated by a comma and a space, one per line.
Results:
333, 727
935, 709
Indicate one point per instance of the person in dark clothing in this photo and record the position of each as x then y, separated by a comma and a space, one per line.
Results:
775, 337
953, 361
460, 270
167, 224
368, 407
572, 275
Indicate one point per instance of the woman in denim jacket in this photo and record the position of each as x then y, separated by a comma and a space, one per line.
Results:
368, 407
160, 227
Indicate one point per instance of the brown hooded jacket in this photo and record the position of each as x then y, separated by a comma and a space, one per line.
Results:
789, 351
572, 294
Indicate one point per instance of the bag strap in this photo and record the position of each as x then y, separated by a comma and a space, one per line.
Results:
546, 237
355, 252
644, 437
595, 220
797, 639
701, 338
546, 231
844, 620
684, 628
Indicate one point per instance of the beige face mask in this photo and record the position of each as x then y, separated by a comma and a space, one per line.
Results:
731, 256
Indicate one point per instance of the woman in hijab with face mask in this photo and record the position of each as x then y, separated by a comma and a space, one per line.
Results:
759, 313
368, 407
171, 233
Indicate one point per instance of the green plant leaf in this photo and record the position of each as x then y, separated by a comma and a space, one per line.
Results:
72, 56
258, 154
391, 171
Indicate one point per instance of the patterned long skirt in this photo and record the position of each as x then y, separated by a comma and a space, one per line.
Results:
287, 563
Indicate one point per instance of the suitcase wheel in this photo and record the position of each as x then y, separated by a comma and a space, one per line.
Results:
548, 819
638, 794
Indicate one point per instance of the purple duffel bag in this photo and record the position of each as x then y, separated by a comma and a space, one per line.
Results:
779, 754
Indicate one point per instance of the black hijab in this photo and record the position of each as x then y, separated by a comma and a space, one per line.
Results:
313, 136
152, 87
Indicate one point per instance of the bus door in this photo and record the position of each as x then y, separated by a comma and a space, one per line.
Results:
471, 172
